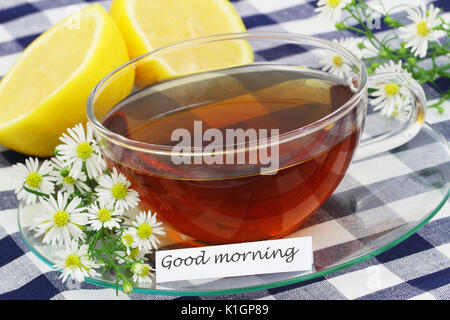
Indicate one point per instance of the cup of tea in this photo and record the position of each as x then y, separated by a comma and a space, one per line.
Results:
246, 150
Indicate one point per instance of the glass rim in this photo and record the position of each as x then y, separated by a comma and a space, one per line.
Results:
320, 43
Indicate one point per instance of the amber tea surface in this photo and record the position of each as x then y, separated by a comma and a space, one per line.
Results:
229, 202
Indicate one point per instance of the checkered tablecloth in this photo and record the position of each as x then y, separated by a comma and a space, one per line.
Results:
417, 268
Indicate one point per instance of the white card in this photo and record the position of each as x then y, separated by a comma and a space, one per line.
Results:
249, 258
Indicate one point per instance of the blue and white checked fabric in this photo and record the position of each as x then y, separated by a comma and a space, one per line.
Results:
417, 268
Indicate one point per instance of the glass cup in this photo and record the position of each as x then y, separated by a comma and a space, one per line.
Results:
214, 203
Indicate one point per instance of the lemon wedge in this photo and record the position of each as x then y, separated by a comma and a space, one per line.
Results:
46, 90
151, 24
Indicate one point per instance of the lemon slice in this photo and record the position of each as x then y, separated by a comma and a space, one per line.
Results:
151, 24
46, 90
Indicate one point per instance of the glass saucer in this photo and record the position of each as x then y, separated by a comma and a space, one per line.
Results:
381, 201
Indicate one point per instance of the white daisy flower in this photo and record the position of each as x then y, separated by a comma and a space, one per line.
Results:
103, 215
399, 106
115, 189
80, 148
335, 63
390, 99
128, 240
65, 180
141, 272
421, 30
145, 229
75, 262
331, 10
61, 221
391, 66
33, 177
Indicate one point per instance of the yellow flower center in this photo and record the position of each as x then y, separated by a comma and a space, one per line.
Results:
422, 29
69, 180
145, 271
333, 3
134, 253
119, 191
141, 270
61, 218
337, 61
127, 239
84, 150
34, 179
73, 261
144, 231
104, 215
391, 89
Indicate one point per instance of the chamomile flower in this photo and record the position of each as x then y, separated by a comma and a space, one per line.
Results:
80, 148
75, 262
67, 182
421, 30
391, 66
334, 64
115, 189
390, 99
331, 10
128, 240
34, 177
103, 215
61, 220
141, 272
145, 229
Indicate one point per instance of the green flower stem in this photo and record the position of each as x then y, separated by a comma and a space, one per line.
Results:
357, 29
110, 262
369, 34
106, 253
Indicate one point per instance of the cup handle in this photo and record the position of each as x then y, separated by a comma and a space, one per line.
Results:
406, 130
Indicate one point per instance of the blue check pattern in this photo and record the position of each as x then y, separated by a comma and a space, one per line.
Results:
405, 270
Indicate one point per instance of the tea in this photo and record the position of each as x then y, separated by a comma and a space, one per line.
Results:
235, 202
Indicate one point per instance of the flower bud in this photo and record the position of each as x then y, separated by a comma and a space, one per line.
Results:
384, 54
374, 65
127, 288
339, 26
412, 61
388, 20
